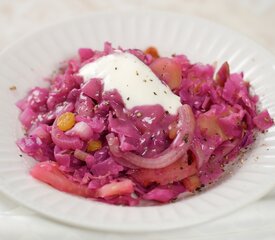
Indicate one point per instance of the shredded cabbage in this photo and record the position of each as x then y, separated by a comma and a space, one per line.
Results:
145, 154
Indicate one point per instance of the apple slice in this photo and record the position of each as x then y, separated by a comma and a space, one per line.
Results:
173, 173
168, 71
123, 187
49, 172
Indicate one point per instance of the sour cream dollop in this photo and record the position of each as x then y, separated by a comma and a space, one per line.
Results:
134, 80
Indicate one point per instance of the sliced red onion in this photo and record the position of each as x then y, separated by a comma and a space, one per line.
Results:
177, 149
124, 163
82, 130
63, 141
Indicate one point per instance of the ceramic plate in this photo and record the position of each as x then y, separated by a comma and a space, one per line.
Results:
30, 59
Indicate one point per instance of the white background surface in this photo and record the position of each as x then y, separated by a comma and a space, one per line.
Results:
251, 17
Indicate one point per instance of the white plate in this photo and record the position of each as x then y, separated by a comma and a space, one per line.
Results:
27, 61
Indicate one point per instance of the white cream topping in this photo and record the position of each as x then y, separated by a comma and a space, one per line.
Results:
134, 80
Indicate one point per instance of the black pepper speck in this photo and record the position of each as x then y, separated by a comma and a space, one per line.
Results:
185, 138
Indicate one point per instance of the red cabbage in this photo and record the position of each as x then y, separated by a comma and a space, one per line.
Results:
34, 147
85, 54
175, 151
93, 89
263, 121
127, 156
62, 157
27, 117
106, 167
84, 105
164, 194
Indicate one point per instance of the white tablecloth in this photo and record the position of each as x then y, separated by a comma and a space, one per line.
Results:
254, 18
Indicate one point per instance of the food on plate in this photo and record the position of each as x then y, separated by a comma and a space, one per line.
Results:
124, 126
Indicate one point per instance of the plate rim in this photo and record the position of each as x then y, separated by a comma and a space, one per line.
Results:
264, 190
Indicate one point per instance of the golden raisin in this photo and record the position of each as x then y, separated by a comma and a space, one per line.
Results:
93, 145
66, 121
172, 130
152, 51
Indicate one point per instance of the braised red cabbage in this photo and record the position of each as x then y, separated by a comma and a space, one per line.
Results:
126, 156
